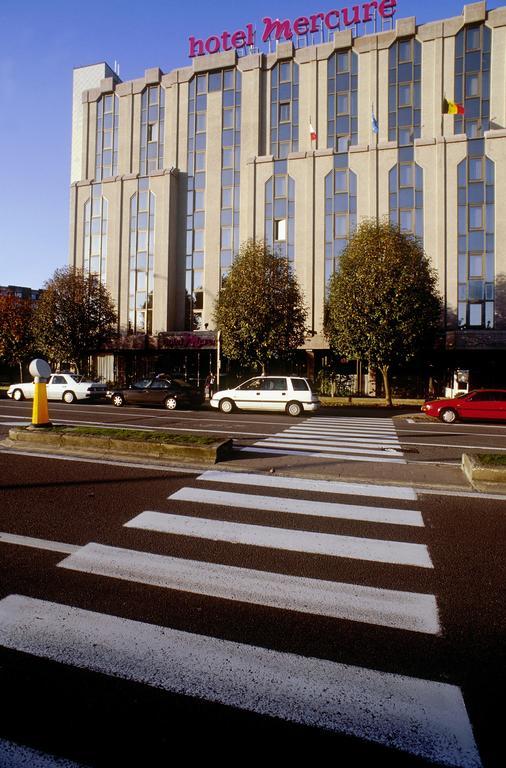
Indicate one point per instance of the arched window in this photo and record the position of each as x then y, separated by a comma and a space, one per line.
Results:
95, 234
340, 212
280, 211
142, 249
406, 194
342, 85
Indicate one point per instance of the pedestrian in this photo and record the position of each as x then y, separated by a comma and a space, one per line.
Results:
209, 386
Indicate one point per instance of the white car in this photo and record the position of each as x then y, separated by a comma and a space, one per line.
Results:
61, 386
289, 394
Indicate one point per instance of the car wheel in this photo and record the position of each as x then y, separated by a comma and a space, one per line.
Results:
68, 397
18, 395
117, 400
171, 403
226, 405
449, 416
294, 408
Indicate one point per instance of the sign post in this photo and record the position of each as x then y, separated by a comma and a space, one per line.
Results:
40, 371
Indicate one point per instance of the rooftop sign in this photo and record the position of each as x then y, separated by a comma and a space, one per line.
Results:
303, 28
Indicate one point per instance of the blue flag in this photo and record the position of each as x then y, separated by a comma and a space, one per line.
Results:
374, 123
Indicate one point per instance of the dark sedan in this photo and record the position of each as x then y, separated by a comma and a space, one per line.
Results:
162, 391
480, 404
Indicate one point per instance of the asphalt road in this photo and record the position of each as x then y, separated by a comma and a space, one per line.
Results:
134, 635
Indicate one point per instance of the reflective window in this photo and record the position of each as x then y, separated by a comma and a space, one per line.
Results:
342, 103
95, 234
406, 194
476, 228
230, 163
340, 212
404, 91
142, 249
284, 136
280, 211
152, 129
106, 149
472, 80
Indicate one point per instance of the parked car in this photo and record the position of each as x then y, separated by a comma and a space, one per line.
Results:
478, 404
68, 387
160, 390
289, 394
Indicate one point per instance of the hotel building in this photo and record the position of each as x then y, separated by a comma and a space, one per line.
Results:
171, 172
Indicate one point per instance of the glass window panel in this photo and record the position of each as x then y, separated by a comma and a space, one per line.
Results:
475, 288
341, 181
406, 198
475, 314
475, 217
476, 240
198, 240
472, 85
284, 112
475, 192
404, 95
472, 38
404, 50
475, 266
214, 81
342, 104
405, 175
341, 226
406, 221
489, 314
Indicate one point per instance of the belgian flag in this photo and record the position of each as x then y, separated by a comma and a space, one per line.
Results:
452, 108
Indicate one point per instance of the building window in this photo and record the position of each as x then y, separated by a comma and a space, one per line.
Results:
340, 213
342, 85
406, 194
196, 193
404, 91
284, 136
106, 154
476, 238
152, 129
280, 211
142, 249
230, 165
472, 80
95, 234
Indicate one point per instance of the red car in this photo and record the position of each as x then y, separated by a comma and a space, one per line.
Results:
479, 404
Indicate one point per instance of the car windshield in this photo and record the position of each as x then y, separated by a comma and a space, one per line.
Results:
142, 384
76, 378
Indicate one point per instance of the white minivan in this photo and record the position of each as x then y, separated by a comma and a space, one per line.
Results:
289, 394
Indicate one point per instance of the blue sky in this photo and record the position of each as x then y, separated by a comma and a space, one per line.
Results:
41, 41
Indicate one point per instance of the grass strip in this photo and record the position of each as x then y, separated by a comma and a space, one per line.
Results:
491, 459
138, 435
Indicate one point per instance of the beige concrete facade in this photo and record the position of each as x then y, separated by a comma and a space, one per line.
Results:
438, 151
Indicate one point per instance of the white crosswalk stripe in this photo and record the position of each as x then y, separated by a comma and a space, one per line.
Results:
421, 717
342, 438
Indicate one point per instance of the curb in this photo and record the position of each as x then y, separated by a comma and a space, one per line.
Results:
483, 478
166, 452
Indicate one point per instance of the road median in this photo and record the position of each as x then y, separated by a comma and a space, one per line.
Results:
125, 443
485, 471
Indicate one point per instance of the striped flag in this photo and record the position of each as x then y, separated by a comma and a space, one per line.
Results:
452, 108
312, 133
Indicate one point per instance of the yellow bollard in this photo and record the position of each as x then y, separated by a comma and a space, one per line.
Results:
40, 370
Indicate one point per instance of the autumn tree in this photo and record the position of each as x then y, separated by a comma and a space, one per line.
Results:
260, 310
383, 306
16, 342
73, 317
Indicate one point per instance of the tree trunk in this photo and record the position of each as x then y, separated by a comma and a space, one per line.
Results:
386, 384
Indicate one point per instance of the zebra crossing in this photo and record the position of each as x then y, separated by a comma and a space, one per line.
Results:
373, 705
344, 438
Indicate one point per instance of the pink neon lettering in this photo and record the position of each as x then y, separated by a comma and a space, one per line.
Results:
327, 20
314, 18
280, 28
366, 10
387, 5
196, 47
301, 25
356, 15
239, 38
214, 42
225, 38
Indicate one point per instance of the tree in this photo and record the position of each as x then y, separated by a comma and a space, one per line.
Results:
260, 310
73, 317
15, 330
383, 306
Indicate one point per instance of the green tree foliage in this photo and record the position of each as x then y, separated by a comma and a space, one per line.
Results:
73, 317
260, 310
383, 305
16, 342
